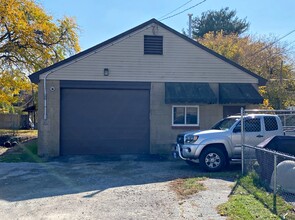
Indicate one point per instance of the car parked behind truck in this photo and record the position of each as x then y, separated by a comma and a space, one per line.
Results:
214, 148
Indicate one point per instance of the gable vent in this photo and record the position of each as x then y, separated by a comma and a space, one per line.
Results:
153, 45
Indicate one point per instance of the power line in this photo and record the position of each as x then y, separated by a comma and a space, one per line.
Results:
285, 47
267, 46
175, 9
183, 10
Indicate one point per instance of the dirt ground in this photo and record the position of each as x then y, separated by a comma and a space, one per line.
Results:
3, 150
87, 188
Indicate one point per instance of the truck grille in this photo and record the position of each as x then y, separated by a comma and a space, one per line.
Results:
180, 139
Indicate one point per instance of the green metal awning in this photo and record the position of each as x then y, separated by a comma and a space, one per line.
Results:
192, 93
234, 93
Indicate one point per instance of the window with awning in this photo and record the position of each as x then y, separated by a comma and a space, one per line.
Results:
200, 93
235, 93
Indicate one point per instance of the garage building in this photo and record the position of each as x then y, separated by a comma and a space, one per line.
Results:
133, 93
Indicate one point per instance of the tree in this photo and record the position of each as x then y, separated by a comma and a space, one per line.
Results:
30, 40
261, 56
224, 20
12, 87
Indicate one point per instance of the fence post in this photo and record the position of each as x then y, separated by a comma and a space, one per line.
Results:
242, 140
275, 185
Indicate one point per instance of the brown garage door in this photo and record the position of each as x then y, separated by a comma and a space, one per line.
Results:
108, 119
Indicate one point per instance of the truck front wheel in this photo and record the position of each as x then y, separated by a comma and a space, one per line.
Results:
212, 159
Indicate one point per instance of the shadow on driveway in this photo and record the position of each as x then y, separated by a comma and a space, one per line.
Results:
70, 175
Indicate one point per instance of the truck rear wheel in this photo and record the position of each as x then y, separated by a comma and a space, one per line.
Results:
212, 159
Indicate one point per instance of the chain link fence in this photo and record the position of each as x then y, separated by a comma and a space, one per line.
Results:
268, 152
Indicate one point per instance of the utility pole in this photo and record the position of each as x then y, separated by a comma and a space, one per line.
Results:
190, 25
281, 73
281, 83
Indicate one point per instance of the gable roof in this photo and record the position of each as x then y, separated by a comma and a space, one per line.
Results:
35, 76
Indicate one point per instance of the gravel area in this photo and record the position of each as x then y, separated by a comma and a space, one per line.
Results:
79, 188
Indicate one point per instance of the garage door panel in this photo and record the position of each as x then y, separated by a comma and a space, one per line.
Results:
104, 121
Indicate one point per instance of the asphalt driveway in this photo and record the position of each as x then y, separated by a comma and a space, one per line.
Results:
87, 188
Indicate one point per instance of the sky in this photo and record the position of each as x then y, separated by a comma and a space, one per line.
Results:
100, 20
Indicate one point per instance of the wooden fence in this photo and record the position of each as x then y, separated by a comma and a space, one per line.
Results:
14, 121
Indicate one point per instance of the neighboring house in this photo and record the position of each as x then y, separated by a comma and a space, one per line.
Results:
134, 93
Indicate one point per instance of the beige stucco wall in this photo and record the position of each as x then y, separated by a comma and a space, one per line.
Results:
49, 129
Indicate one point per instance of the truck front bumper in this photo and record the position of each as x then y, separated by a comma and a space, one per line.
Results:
177, 152
187, 152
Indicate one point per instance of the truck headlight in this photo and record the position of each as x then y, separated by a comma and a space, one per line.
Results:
191, 138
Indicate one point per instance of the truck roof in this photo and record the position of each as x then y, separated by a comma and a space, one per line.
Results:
252, 115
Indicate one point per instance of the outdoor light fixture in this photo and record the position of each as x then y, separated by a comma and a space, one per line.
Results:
106, 71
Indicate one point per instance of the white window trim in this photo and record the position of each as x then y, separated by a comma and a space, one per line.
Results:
185, 106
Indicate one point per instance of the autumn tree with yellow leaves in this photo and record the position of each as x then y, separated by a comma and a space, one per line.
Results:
267, 57
30, 40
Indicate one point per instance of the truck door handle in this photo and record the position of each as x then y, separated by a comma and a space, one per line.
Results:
259, 136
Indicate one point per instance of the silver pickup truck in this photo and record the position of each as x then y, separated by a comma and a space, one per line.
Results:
214, 148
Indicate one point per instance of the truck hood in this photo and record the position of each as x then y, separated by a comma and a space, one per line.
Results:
208, 134
205, 132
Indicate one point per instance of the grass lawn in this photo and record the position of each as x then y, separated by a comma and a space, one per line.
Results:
242, 205
251, 201
23, 152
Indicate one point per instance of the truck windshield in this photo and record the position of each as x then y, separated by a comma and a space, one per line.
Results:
225, 124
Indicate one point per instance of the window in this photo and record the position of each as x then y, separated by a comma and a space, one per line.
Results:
252, 125
153, 45
270, 123
185, 115
226, 124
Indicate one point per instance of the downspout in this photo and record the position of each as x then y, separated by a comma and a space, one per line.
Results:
45, 96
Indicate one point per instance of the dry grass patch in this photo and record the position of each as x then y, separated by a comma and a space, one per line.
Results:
187, 187
26, 133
